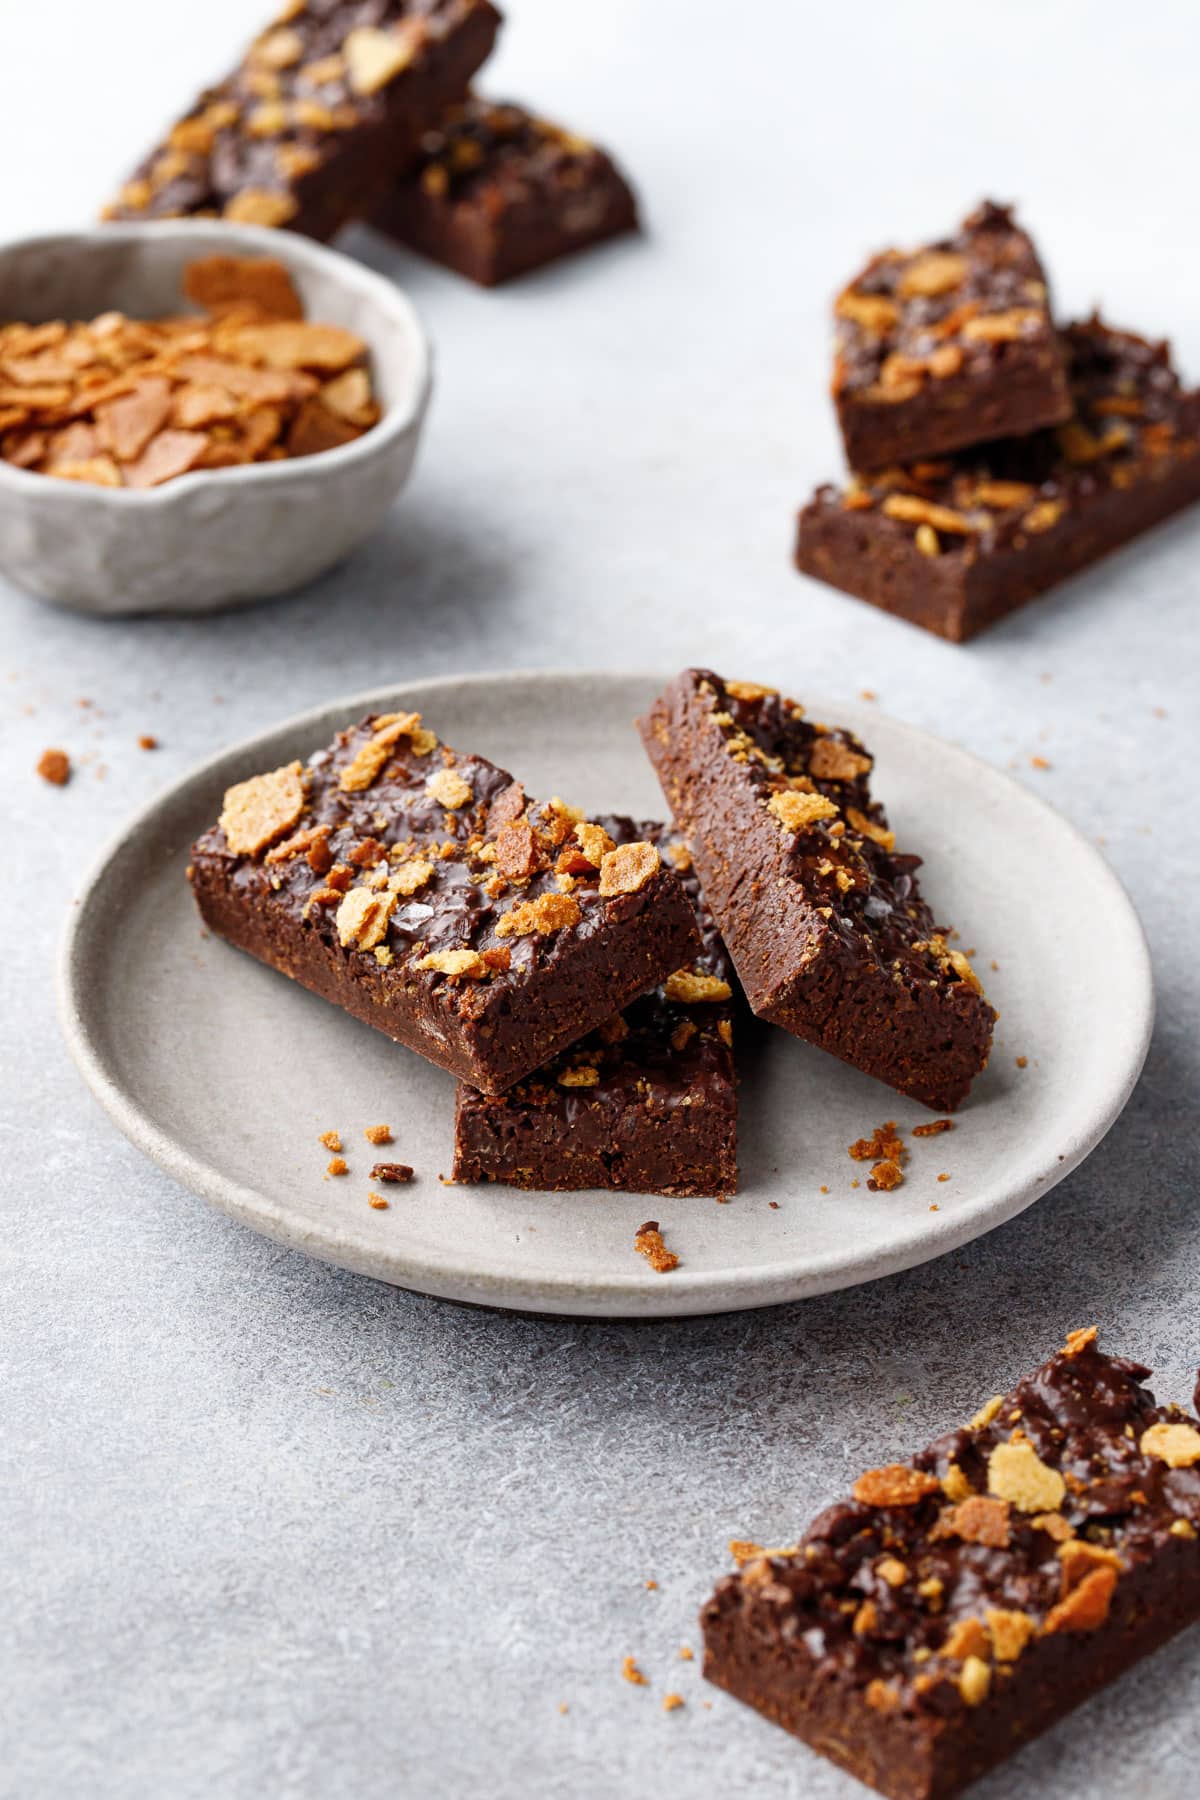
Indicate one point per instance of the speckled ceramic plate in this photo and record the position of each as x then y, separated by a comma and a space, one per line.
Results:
226, 1074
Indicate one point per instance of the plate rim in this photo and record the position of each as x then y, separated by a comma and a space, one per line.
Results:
689, 1292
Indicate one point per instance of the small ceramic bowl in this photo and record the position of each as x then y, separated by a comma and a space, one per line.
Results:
217, 537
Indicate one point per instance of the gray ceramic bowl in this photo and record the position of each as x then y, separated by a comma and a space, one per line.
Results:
218, 537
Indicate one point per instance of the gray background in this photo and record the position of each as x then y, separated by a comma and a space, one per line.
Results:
273, 1530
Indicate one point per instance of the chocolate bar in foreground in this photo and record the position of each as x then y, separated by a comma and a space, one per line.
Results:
421, 891
960, 1603
647, 1103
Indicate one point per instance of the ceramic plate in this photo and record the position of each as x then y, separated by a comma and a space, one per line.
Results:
226, 1074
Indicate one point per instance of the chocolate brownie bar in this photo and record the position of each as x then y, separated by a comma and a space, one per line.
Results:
647, 1103
960, 1603
421, 891
955, 545
498, 192
945, 346
822, 916
326, 108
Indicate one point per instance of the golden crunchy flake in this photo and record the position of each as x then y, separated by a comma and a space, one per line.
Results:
410, 877
1017, 1473
895, 1484
680, 856
1002, 327
1044, 515
931, 274
627, 868
978, 1519
986, 1413
1009, 1631
797, 811
927, 541
750, 690
630, 1672
586, 1075
967, 1637
260, 811
975, 1680
448, 788
1078, 1341
879, 834
374, 58
892, 1570
910, 509
693, 989
1085, 1607
261, 206
874, 312
541, 917
217, 283
594, 842
363, 768
362, 917
456, 963
1176, 1445
955, 1485
831, 760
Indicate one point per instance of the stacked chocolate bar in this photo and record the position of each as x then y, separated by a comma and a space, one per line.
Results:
579, 975
992, 453
342, 110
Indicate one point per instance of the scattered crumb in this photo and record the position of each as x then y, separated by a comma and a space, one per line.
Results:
147, 742
84, 701
1160, 712
686, 1654
884, 1176
934, 1207
651, 1584
1038, 762
378, 1134
856, 1182
933, 1127
868, 694
774, 1205
883, 1142
332, 1140
721, 1199
995, 966
391, 1172
632, 1673
671, 1701
54, 766
1022, 1062
378, 1202
648, 1241
943, 1176
824, 1189
338, 1167
707, 1705
744, 1550
563, 1707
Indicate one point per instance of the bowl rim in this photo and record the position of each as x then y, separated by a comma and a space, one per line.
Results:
293, 250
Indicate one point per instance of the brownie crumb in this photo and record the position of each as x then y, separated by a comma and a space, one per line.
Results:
391, 1172
332, 1140
1022, 1062
933, 1128
378, 1202
632, 1673
378, 1134
54, 766
649, 1242
147, 742
671, 1701
338, 1167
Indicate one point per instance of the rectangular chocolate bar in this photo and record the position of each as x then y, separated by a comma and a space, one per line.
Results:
498, 192
326, 108
945, 346
421, 891
955, 545
960, 1603
822, 916
647, 1103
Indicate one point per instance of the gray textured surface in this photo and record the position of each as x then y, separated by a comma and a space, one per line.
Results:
272, 1530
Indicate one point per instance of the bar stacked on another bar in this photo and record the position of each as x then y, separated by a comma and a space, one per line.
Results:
498, 192
960, 1603
327, 107
947, 345
425, 894
823, 918
647, 1103
955, 544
